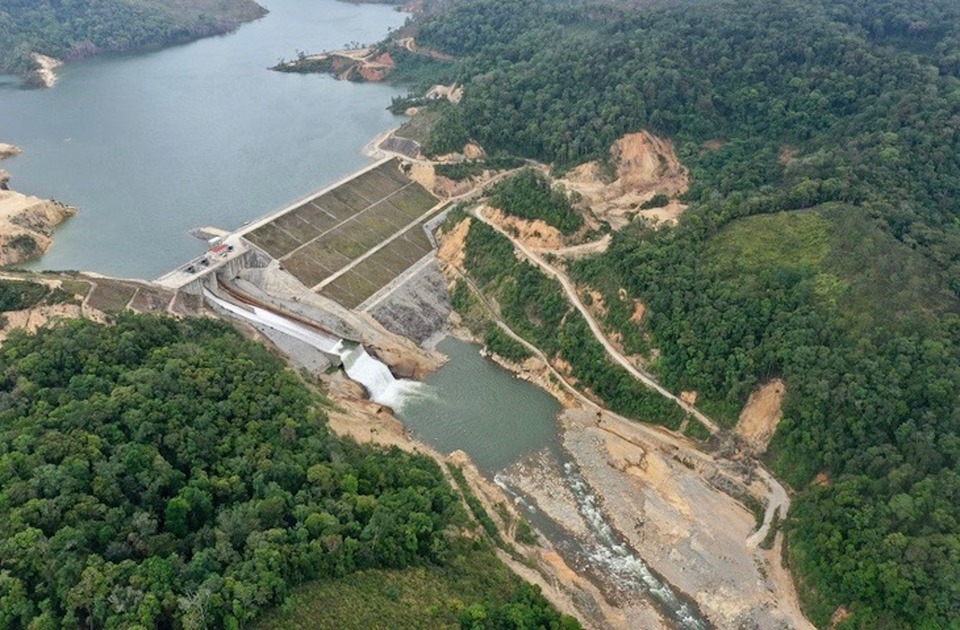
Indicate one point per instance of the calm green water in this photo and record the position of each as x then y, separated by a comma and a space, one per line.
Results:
149, 146
476, 406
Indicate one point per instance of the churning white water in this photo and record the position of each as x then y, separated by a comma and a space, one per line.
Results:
383, 387
607, 552
620, 559
357, 363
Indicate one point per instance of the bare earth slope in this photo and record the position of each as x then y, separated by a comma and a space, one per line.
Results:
645, 165
26, 223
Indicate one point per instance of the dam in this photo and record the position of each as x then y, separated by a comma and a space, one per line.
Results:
346, 242
319, 276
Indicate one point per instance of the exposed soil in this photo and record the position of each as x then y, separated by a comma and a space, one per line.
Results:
643, 165
787, 154
32, 319
453, 246
473, 151
536, 234
423, 174
712, 145
411, 45
761, 415
584, 249
453, 93
26, 224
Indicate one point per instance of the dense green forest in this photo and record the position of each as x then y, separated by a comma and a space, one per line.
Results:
535, 307
530, 195
68, 29
167, 474
821, 245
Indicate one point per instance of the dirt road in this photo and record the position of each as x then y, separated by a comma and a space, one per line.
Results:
574, 299
777, 497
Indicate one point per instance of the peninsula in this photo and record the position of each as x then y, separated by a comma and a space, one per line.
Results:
26, 222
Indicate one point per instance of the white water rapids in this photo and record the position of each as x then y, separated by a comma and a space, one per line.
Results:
605, 550
376, 377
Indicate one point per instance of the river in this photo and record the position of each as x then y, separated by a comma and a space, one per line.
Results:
151, 145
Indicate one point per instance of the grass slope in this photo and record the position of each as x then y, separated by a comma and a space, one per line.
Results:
422, 597
873, 280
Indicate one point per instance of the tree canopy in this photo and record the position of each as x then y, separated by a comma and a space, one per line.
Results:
79, 28
168, 474
821, 244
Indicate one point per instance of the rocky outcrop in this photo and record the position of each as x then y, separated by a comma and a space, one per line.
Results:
26, 225
8, 150
44, 75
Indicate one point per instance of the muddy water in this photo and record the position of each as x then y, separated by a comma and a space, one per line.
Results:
474, 405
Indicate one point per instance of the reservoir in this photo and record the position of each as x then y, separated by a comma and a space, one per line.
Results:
149, 146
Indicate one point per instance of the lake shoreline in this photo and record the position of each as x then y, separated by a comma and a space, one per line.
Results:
26, 222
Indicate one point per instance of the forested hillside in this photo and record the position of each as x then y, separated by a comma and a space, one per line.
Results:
80, 28
821, 245
164, 474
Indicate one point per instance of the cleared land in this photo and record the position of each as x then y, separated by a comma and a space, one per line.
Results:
326, 233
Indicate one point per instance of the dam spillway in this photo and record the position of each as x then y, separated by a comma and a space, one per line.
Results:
376, 377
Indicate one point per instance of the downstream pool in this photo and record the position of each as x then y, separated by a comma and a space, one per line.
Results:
474, 405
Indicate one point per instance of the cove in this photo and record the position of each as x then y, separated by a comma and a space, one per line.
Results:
149, 146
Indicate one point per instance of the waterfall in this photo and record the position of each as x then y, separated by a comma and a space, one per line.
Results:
357, 363
377, 378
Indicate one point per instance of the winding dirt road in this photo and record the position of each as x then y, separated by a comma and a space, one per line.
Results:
641, 375
777, 498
